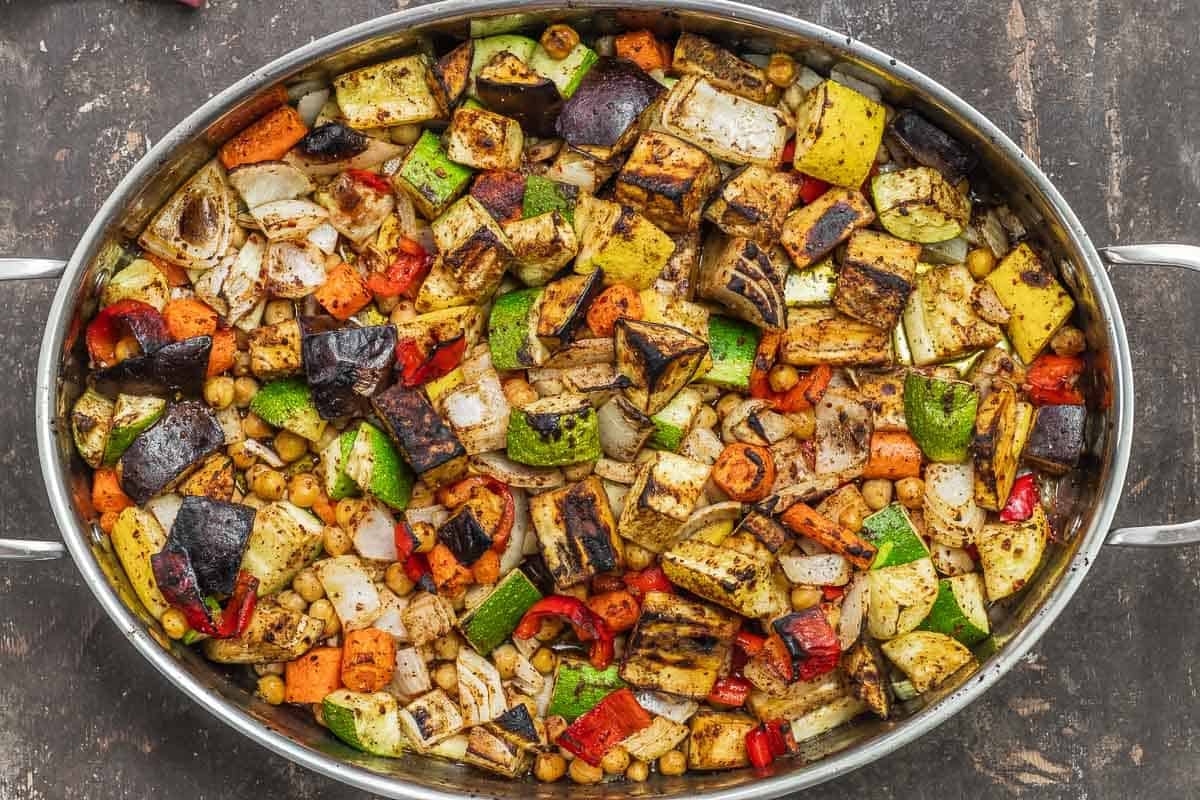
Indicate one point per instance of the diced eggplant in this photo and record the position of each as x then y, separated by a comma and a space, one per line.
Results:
465, 535
667, 180
330, 142
542, 245
375, 152
443, 325
518, 726
825, 336
473, 247
753, 203
346, 367
664, 494
425, 442
766, 529
678, 275
194, 228
479, 413
679, 646
738, 273
940, 322
430, 719
453, 71
868, 674
628, 247
576, 532
876, 278
695, 55
827, 717
214, 536
911, 136
795, 699
187, 433
1056, 442
273, 634
732, 579
723, 124
811, 232
564, 306
718, 740
275, 350
484, 140
573, 168
402, 91
604, 114
492, 748
175, 367
509, 87
501, 192
657, 359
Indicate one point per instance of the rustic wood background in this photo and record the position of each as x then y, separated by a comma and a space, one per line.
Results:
1102, 92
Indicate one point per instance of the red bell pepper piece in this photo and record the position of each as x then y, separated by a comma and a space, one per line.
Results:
758, 748
406, 541
776, 737
805, 394
416, 567
176, 579
812, 188
240, 608
1021, 500
456, 494
134, 317
1054, 380
404, 275
810, 642
372, 179
417, 368
730, 691
650, 579
749, 643
789, 154
606, 725
832, 592
587, 624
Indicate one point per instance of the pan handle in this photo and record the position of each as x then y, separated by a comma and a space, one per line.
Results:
1181, 256
14, 269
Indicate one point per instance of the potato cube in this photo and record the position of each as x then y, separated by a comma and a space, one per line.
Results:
484, 140
668, 181
754, 202
876, 278
838, 133
664, 494
811, 232
1038, 303
275, 350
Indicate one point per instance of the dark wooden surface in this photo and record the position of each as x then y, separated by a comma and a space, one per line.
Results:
1102, 92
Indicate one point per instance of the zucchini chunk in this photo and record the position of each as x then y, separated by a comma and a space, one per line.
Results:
994, 447
375, 466
512, 331
826, 718
628, 247
367, 722
563, 308
810, 233
811, 286
667, 180
578, 687
672, 424
959, 610
425, 442
940, 322
488, 624
157, 459
567, 72
91, 425
911, 137
918, 205
695, 55
131, 415
543, 195
664, 494
895, 537
605, 112
838, 133
753, 203
276, 350
345, 367
718, 739
727, 577
1033, 296
429, 177
927, 658
576, 532
678, 646
484, 140
1056, 441
1010, 553
402, 91
876, 279
472, 247
288, 404
723, 124
554, 431
509, 86
490, 747
191, 230
490, 48
273, 634
658, 360
740, 276
542, 245
941, 416
284, 539
732, 345
825, 336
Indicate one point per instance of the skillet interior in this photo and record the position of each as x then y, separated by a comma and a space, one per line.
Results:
1085, 505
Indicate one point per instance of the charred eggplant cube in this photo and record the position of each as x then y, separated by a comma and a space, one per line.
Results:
346, 367
740, 274
664, 494
508, 86
668, 181
877, 277
453, 71
576, 532
628, 247
911, 137
501, 192
679, 646
754, 202
425, 442
1056, 442
811, 232
484, 140
658, 360
542, 246
564, 306
430, 178
275, 350
214, 535
178, 366
187, 433
473, 246
603, 116
465, 536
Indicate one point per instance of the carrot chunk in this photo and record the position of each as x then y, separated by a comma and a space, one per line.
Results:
368, 660
268, 139
616, 302
188, 317
344, 292
821, 529
107, 494
894, 455
643, 49
313, 675
223, 353
745, 472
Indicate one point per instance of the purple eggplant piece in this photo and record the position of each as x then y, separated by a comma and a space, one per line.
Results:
175, 367
214, 534
332, 141
346, 367
176, 579
608, 104
424, 440
464, 536
1057, 440
160, 455
913, 138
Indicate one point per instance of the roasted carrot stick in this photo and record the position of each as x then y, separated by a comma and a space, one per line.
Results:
107, 494
223, 353
643, 49
745, 472
894, 455
188, 317
821, 529
268, 139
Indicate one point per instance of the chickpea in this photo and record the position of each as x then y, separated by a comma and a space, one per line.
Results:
544, 660
426, 536
550, 629
218, 392
783, 377
174, 623
242, 458
307, 585
445, 648
446, 676
615, 761
877, 493
672, 763
387, 304
337, 542
278, 311
347, 507
638, 771
980, 262
291, 599
254, 427
549, 767
727, 404
781, 70
397, 579
271, 689
289, 446
805, 597
1069, 341
559, 40
403, 312
268, 484
126, 348
505, 658
706, 418
555, 725
804, 423
583, 772
519, 392
851, 519
304, 490
910, 492
244, 390
324, 611
637, 557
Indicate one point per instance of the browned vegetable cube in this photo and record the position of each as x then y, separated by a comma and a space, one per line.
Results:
667, 180
811, 232
876, 278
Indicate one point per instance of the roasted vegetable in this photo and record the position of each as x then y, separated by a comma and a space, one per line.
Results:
484, 140
618, 240
1030, 292
824, 336
727, 577
512, 330
375, 466
566, 72
809, 233
194, 228
1010, 552
542, 245
910, 136
285, 538
430, 719
940, 322
453, 71
664, 494
918, 205
578, 687
490, 48
398, 92
1057, 439
141, 281
214, 536
994, 448
472, 246
157, 458
901, 597
604, 114
576, 532
554, 431
175, 367
739, 274
723, 124
91, 424
429, 177
276, 350
876, 278
494, 619
274, 634
695, 55
718, 740
838, 133
927, 658
940, 416
657, 359
811, 286
346, 367
667, 180
510, 87
493, 748
679, 646
367, 722
868, 674
959, 610
753, 203
136, 537
288, 404
131, 415
563, 307
425, 442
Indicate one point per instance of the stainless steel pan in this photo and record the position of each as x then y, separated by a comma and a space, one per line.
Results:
1085, 505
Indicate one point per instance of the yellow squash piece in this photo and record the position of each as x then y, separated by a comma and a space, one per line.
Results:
137, 536
628, 247
1037, 301
838, 133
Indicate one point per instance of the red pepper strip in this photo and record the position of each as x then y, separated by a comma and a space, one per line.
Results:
588, 626
405, 274
1053, 380
406, 542
176, 580
1021, 500
749, 643
810, 641
417, 368
371, 179
608, 723
789, 154
812, 188
456, 494
650, 579
832, 592
730, 691
416, 567
758, 748
776, 739
138, 318
777, 658
805, 394
240, 608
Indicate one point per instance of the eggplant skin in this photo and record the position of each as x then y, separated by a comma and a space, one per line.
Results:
453, 71
913, 137
187, 433
425, 441
175, 367
214, 535
332, 141
465, 536
347, 366
608, 103
1056, 442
